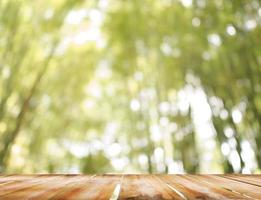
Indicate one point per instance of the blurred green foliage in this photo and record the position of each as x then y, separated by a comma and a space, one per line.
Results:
98, 86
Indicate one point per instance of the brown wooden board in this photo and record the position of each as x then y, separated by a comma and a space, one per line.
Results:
250, 179
194, 188
123, 187
145, 187
244, 189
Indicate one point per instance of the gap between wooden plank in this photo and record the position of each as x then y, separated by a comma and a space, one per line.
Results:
174, 189
116, 193
214, 179
239, 179
190, 193
225, 188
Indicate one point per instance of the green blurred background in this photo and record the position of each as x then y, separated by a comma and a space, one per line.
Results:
130, 86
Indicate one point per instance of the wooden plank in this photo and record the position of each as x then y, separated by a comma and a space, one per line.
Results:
11, 178
216, 188
75, 185
16, 185
187, 192
46, 188
253, 179
145, 187
98, 188
58, 188
246, 190
197, 189
81, 187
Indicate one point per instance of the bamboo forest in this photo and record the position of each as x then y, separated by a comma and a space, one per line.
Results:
130, 86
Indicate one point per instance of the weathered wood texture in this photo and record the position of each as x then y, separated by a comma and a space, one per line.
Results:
81, 187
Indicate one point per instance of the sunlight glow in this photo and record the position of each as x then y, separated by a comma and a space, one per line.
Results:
176, 167
235, 160
79, 150
214, 39
159, 159
229, 132
103, 70
237, 116
119, 163
164, 107
113, 150
250, 24
143, 161
94, 89
164, 121
196, 22
166, 49
135, 105
186, 3
205, 131
223, 114
225, 148
231, 30
248, 156
6, 72
74, 17
155, 132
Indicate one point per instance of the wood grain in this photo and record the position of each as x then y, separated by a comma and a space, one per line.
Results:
145, 187
136, 186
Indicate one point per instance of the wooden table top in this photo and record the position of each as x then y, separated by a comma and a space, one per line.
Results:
82, 187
